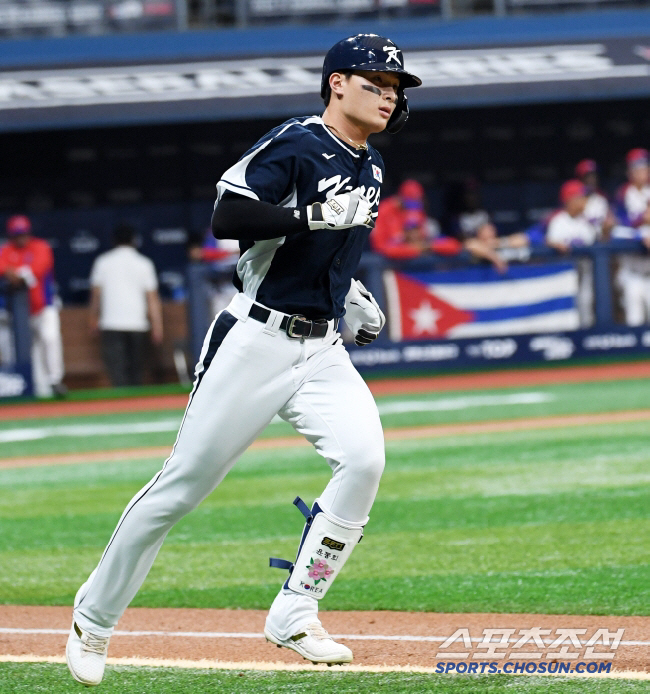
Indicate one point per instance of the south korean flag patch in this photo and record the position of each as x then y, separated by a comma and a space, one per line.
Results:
376, 172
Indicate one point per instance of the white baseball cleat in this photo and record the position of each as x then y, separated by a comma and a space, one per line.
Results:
315, 644
85, 654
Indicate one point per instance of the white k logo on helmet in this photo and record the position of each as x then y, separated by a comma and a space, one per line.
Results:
393, 53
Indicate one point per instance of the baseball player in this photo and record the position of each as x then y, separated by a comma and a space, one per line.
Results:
301, 202
633, 276
28, 261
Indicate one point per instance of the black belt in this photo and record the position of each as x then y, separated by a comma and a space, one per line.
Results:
295, 326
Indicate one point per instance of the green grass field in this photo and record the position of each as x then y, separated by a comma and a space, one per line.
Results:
54, 679
546, 521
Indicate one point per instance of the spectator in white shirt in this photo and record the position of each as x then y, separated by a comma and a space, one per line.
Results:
569, 228
124, 306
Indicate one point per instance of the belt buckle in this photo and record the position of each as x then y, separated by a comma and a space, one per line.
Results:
291, 324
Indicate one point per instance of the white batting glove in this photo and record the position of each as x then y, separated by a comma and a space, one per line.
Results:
362, 314
340, 212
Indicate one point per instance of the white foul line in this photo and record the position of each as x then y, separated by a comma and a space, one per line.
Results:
256, 635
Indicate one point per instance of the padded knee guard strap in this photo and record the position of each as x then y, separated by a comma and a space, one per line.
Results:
325, 546
324, 551
276, 563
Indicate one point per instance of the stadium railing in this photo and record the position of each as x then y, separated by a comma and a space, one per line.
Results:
15, 362
372, 267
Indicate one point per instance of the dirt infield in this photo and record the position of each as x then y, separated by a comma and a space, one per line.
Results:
389, 386
401, 434
377, 638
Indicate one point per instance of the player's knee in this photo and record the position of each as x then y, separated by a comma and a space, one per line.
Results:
175, 509
368, 463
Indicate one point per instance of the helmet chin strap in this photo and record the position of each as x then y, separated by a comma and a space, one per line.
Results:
400, 115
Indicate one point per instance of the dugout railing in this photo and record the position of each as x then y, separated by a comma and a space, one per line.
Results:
607, 315
15, 342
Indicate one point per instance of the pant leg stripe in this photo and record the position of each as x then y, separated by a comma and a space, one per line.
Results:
220, 329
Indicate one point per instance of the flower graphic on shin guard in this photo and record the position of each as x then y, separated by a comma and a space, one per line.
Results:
319, 570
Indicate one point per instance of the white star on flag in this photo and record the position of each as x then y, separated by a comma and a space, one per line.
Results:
425, 318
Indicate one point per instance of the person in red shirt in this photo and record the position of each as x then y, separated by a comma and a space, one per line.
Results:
28, 261
404, 231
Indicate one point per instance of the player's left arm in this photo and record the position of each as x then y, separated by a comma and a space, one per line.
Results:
362, 314
239, 217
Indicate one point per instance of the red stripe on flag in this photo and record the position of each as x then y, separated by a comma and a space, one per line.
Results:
424, 315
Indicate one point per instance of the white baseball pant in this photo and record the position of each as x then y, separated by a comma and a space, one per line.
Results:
247, 372
47, 350
633, 279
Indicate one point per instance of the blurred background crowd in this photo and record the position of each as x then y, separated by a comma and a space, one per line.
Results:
527, 145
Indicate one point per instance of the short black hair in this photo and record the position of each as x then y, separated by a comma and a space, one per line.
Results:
328, 91
124, 234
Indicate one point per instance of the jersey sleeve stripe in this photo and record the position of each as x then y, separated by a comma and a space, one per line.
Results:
235, 188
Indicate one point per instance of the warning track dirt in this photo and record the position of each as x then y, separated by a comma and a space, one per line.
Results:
380, 640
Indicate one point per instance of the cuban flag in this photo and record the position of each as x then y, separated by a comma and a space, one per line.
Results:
480, 302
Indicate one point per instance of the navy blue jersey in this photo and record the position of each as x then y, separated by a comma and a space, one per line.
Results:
296, 164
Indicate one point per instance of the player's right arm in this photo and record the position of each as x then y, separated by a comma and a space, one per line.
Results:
257, 196
239, 217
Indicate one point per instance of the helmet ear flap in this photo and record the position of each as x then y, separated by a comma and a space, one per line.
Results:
400, 114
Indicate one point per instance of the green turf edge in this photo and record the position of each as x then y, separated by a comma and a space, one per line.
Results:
405, 374
451, 370
55, 679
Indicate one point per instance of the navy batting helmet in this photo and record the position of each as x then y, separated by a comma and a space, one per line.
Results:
377, 54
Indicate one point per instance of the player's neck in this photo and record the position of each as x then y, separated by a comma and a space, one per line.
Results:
354, 135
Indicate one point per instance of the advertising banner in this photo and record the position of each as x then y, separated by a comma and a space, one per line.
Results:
443, 354
480, 302
474, 317
276, 86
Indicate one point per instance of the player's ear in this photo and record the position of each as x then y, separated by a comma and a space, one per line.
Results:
337, 80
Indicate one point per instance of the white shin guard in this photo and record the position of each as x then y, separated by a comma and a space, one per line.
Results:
326, 546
